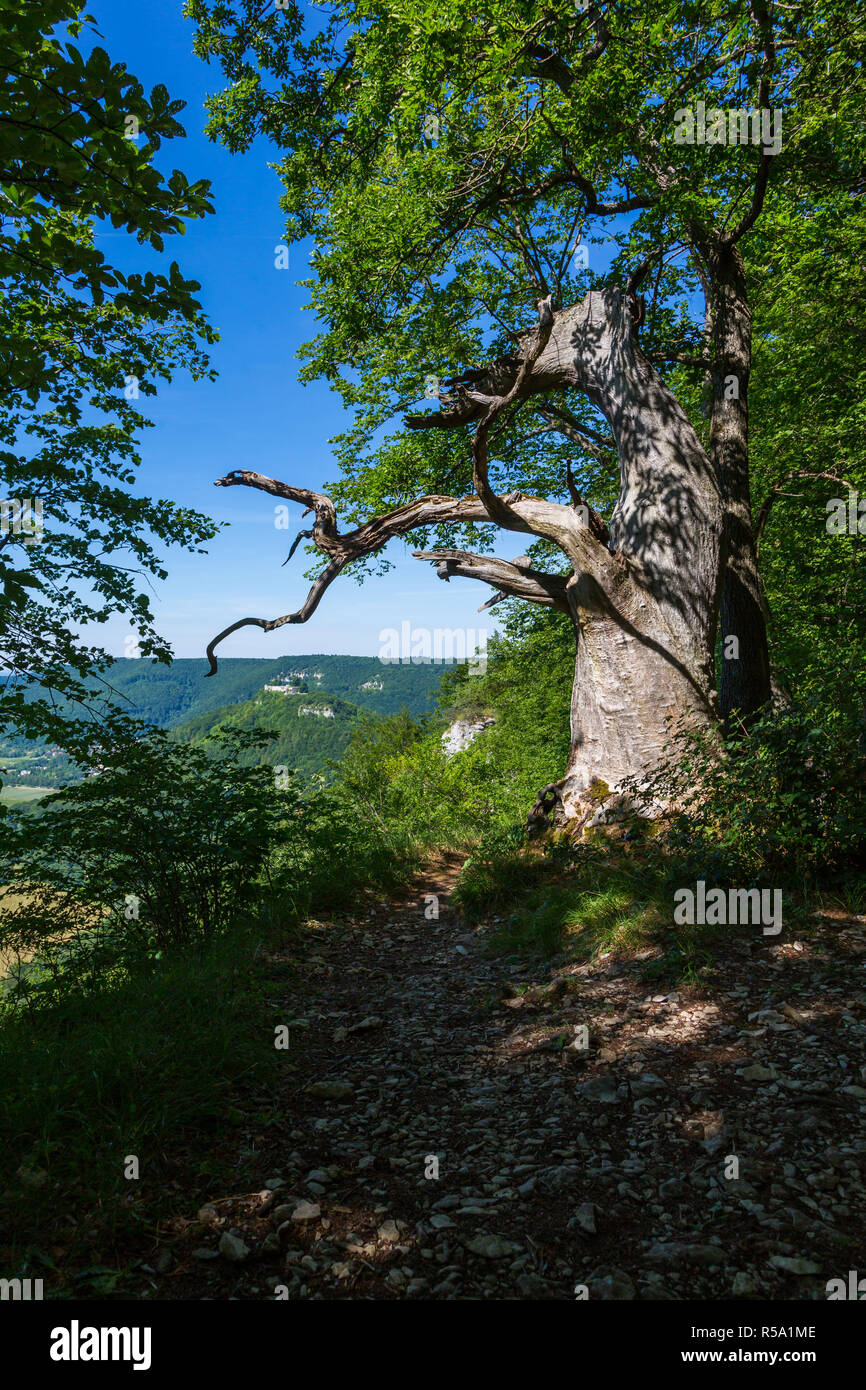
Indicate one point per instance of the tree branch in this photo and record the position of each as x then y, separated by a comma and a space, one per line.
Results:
586, 439
498, 510
508, 576
548, 66
764, 24
800, 474
539, 517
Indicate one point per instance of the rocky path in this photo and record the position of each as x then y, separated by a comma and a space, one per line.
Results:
443, 1134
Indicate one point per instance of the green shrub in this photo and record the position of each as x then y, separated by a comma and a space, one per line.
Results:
162, 846
496, 871
784, 800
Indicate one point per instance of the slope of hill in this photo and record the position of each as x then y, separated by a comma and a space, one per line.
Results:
310, 728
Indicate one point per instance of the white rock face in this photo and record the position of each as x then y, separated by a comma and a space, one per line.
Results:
315, 709
463, 732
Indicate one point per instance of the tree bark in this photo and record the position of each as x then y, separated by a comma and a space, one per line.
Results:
745, 671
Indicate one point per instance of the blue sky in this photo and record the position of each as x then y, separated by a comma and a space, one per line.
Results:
256, 415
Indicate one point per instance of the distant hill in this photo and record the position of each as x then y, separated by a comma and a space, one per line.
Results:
311, 728
169, 695
181, 695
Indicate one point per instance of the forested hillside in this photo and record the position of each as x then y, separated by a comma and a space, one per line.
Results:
179, 695
168, 695
311, 729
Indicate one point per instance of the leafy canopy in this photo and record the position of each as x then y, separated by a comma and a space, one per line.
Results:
448, 159
81, 342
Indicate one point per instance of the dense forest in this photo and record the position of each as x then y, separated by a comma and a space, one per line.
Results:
309, 734
170, 695
538, 975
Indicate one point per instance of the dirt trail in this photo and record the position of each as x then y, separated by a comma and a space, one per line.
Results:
415, 1054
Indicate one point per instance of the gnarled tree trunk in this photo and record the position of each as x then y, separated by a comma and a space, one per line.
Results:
642, 593
646, 632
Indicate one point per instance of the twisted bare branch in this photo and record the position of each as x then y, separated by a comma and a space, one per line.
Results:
510, 578
535, 515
